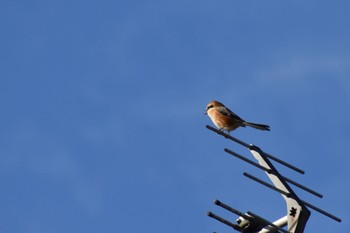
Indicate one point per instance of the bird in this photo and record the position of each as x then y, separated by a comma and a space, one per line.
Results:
225, 119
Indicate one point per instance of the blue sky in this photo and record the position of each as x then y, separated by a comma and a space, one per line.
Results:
102, 126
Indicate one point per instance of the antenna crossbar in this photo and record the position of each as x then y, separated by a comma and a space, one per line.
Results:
321, 211
266, 184
232, 210
288, 195
248, 160
227, 136
224, 221
270, 171
250, 146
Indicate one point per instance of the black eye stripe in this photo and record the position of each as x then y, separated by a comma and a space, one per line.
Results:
210, 106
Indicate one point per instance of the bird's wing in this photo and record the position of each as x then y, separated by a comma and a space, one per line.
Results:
228, 112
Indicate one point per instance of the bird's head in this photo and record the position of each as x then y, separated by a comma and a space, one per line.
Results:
213, 104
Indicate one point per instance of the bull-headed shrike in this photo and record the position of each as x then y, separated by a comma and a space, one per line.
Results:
225, 119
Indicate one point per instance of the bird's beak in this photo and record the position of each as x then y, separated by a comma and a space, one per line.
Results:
205, 113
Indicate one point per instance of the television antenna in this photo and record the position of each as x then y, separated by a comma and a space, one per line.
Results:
298, 211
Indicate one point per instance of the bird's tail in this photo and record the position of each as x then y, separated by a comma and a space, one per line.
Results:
257, 126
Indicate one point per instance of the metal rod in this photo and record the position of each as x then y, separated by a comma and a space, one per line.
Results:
303, 187
321, 211
270, 171
232, 210
267, 222
247, 160
252, 147
257, 149
224, 221
227, 136
266, 184
288, 195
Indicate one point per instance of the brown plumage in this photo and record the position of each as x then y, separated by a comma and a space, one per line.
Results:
225, 119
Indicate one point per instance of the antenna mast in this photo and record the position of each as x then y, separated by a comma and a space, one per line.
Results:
297, 209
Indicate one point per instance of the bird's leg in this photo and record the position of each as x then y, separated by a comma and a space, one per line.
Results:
223, 130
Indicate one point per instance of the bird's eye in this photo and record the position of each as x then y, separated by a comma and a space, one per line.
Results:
210, 106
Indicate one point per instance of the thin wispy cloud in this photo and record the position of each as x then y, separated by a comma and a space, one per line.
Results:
299, 69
